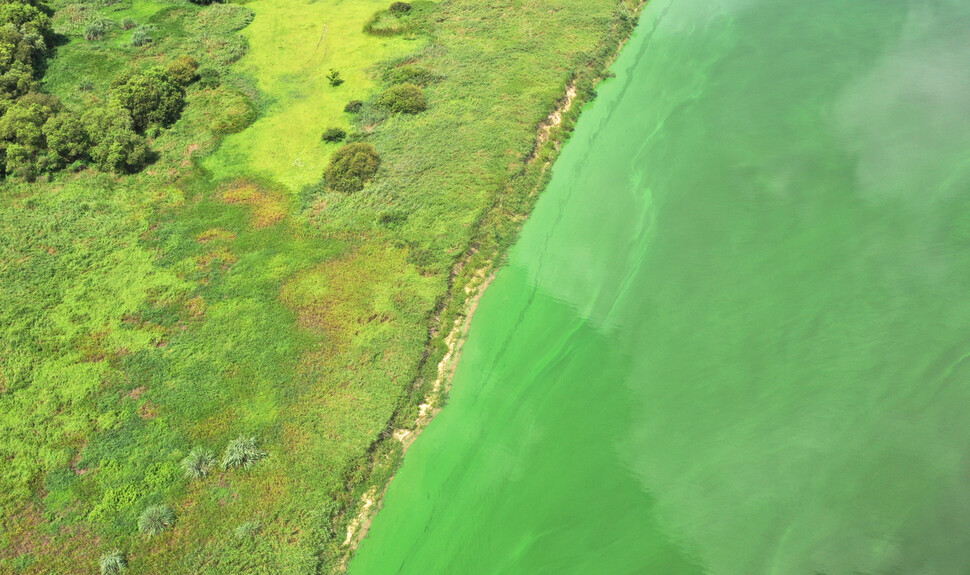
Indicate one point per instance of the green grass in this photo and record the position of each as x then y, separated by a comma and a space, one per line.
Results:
294, 44
204, 299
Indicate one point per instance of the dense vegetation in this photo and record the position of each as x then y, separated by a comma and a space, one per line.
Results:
39, 135
201, 358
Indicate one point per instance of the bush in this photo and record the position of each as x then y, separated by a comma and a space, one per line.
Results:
116, 147
242, 452
152, 98
156, 519
351, 167
183, 70
113, 563
399, 8
128, 24
334, 78
334, 135
403, 99
353, 106
198, 463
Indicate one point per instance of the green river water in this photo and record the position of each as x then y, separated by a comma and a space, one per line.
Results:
734, 336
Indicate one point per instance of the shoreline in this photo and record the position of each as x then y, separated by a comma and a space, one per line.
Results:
466, 290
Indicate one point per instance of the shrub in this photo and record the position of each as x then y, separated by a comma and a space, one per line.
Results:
128, 24
334, 135
115, 146
403, 99
248, 530
234, 114
156, 519
351, 167
151, 98
140, 37
353, 106
334, 78
409, 75
198, 463
183, 70
242, 452
208, 78
387, 23
113, 563
399, 8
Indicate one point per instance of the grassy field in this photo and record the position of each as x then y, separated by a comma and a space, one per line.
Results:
294, 44
224, 292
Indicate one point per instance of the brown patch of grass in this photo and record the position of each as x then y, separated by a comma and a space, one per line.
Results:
215, 234
148, 410
338, 297
268, 207
196, 307
26, 532
223, 255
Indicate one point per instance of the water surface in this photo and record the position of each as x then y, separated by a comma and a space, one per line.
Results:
734, 336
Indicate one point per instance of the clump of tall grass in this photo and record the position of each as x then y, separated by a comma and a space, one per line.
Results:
198, 463
113, 563
242, 452
247, 530
156, 519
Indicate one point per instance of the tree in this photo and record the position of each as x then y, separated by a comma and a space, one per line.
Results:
156, 519
67, 140
151, 97
198, 463
351, 167
334, 78
116, 147
242, 452
403, 99
23, 147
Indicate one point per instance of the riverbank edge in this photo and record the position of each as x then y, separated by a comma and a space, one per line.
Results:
494, 235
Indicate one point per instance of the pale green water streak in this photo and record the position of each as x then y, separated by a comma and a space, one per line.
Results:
734, 337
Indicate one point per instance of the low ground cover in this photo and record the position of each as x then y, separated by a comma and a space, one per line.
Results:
226, 294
